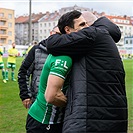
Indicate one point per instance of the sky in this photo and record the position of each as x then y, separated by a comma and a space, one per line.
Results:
113, 7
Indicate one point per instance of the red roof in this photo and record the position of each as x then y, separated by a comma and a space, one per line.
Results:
25, 19
21, 19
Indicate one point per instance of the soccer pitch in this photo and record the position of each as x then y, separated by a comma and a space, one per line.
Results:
13, 114
128, 65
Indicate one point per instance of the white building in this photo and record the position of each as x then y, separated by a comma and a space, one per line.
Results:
42, 24
125, 26
46, 24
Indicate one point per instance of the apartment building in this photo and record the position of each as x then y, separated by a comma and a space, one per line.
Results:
7, 27
125, 26
127, 50
42, 26
125, 45
46, 24
22, 28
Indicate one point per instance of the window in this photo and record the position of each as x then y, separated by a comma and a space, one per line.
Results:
2, 23
10, 16
131, 41
129, 34
126, 41
9, 41
2, 32
49, 24
32, 31
2, 40
9, 33
36, 31
9, 24
1, 14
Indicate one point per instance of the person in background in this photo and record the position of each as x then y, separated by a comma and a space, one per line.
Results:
11, 61
29, 72
96, 97
2, 65
33, 43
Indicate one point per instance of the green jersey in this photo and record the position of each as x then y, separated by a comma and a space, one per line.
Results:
41, 110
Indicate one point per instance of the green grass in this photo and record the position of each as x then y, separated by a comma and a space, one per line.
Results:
13, 114
128, 65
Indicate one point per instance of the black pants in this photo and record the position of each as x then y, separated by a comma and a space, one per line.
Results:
33, 126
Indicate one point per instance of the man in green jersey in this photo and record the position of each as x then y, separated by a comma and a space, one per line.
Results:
11, 61
47, 112
2, 65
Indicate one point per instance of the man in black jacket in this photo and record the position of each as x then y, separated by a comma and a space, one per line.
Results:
31, 67
97, 100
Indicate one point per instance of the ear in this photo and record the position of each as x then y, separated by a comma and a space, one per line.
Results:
67, 29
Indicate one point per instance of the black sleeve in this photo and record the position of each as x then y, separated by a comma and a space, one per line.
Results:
23, 74
80, 42
76, 43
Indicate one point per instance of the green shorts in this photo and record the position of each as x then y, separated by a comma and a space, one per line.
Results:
1, 65
11, 65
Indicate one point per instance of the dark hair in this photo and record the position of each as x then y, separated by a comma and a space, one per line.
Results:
67, 20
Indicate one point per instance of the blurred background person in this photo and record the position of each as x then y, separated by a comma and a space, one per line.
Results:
2, 65
32, 44
11, 61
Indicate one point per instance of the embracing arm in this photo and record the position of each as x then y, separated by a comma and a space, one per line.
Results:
53, 93
80, 42
72, 44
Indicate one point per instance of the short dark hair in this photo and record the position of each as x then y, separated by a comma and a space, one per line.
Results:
67, 20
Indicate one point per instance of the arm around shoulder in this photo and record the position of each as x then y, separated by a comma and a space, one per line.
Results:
71, 44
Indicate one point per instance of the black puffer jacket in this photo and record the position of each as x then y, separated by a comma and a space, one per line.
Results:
97, 100
31, 67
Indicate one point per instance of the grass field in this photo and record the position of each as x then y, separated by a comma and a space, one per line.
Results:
128, 65
13, 114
